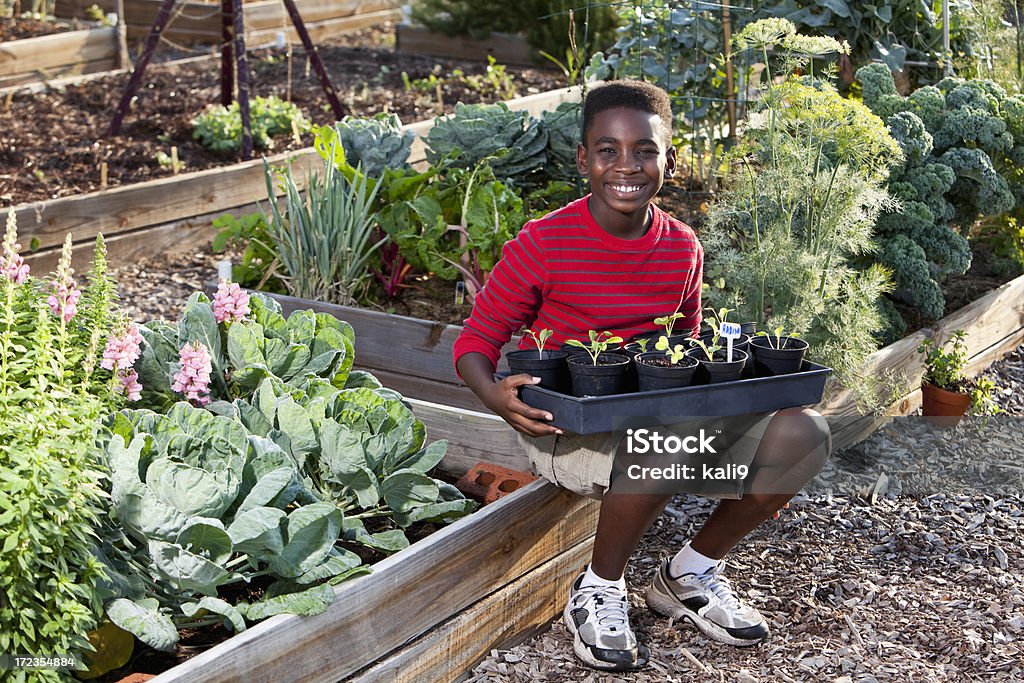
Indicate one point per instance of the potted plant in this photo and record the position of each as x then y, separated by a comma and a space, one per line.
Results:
777, 353
548, 365
598, 372
713, 363
945, 389
668, 367
710, 332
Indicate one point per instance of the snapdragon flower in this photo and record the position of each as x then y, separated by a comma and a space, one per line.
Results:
230, 303
12, 265
122, 349
129, 385
64, 300
193, 379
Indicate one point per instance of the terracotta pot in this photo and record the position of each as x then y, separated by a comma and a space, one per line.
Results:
941, 407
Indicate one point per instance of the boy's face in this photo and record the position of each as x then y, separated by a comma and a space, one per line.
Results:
626, 159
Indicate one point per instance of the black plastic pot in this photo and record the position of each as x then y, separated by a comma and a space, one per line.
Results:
770, 361
719, 370
610, 376
748, 328
548, 365
654, 372
572, 350
632, 349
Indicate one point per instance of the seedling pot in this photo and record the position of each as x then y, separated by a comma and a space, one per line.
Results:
749, 329
770, 361
941, 407
663, 375
718, 371
610, 376
548, 365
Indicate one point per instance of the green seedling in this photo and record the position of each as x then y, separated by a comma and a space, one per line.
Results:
715, 321
599, 343
539, 339
642, 342
674, 354
778, 333
668, 322
945, 369
709, 350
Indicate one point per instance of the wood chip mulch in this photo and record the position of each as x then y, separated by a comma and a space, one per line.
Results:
902, 562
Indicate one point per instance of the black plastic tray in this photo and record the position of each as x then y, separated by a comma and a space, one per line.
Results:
593, 414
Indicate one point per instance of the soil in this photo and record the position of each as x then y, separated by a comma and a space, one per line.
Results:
20, 28
52, 143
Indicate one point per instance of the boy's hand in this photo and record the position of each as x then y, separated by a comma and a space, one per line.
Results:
503, 399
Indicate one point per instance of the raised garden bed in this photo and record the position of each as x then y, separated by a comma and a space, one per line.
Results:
141, 218
60, 54
200, 22
994, 325
505, 48
431, 611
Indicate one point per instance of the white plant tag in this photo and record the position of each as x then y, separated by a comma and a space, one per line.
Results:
730, 331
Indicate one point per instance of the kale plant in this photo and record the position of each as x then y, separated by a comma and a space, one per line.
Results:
964, 148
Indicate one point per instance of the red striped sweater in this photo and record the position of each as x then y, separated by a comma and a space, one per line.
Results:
565, 273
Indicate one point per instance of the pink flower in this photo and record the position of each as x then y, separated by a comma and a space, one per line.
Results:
12, 266
193, 379
129, 385
122, 351
64, 300
230, 303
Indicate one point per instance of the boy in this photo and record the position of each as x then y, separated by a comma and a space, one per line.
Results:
614, 261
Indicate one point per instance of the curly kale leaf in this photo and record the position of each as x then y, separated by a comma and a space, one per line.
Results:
979, 189
914, 283
563, 125
880, 94
909, 132
929, 104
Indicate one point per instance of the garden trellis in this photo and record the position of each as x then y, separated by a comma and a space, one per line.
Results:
233, 60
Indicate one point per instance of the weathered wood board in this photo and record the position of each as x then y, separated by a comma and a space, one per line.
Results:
60, 54
531, 541
505, 48
200, 21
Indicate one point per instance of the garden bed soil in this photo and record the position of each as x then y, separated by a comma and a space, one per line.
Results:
53, 145
19, 28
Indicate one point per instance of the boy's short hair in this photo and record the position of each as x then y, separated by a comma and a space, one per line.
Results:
631, 94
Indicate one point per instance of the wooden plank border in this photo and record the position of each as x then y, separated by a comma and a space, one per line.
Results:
410, 593
157, 203
31, 59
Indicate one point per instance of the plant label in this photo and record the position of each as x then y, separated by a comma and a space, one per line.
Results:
730, 331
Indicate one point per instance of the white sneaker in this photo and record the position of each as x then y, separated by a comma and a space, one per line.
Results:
708, 602
598, 618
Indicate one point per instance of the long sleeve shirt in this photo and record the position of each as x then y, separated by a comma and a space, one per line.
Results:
563, 272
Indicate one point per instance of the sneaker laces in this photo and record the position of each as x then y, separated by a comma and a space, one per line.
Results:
610, 609
719, 585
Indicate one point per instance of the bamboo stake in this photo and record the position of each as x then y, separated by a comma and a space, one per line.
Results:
174, 160
103, 175
123, 58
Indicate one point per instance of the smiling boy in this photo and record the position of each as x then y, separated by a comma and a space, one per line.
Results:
614, 261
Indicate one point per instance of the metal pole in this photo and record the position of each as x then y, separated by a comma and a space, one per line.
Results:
947, 58
159, 24
243, 79
314, 58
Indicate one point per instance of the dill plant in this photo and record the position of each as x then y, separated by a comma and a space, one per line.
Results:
805, 189
51, 498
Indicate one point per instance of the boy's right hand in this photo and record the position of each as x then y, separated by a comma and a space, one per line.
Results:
503, 399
